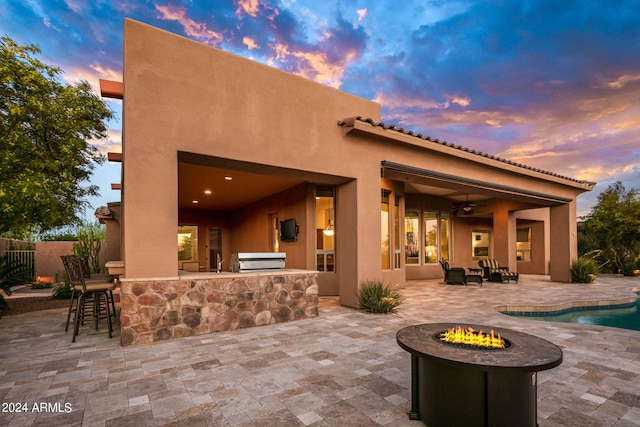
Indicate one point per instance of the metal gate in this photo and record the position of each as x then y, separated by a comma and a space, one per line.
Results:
26, 258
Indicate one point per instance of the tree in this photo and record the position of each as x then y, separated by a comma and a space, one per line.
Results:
45, 154
613, 228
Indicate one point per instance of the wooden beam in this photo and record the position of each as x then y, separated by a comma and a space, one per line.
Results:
111, 89
114, 157
116, 186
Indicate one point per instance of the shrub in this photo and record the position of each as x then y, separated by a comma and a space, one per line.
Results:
584, 270
377, 297
90, 238
629, 267
62, 291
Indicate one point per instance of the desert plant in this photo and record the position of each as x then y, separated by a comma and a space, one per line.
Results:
584, 270
375, 296
629, 266
90, 237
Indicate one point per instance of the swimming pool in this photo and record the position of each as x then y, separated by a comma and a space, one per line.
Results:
625, 317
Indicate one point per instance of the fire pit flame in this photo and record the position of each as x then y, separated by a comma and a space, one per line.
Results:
471, 338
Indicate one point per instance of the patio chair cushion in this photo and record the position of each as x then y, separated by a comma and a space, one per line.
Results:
495, 273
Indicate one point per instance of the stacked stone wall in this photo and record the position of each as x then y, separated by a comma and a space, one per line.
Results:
164, 309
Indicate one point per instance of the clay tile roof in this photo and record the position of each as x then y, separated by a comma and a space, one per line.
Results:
350, 122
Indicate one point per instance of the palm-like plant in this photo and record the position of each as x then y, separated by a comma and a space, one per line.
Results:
377, 297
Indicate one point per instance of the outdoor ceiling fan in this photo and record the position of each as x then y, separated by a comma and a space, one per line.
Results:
467, 207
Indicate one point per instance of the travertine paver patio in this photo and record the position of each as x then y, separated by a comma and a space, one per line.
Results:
343, 368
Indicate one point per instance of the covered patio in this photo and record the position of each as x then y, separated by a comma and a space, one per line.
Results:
339, 369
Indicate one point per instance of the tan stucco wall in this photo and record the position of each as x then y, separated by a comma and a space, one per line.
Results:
113, 233
182, 96
538, 220
250, 232
48, 263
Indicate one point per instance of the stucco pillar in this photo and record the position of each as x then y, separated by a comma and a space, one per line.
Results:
504, 238
564, 241
347, 242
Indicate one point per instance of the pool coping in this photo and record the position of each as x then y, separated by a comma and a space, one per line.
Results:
562, 308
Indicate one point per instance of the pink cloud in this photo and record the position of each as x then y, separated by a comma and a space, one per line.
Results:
313, 65
250, 7
623, 80
191, 28
250, 43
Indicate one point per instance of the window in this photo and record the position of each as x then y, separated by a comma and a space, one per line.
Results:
187, 243
385, 229
435, 235
411, 238
325, 229
523, 244
430, 237
480, 240
444, 236
397, 253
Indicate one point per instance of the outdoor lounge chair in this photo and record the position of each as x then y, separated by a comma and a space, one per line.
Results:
493, 272
458, 275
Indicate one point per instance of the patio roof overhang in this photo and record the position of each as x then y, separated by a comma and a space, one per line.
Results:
415, 175
250, 182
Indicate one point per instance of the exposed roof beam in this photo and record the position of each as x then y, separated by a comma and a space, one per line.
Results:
111, 89
114, 157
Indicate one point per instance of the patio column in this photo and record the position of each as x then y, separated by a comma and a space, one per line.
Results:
564, 241
504, 238
347, 242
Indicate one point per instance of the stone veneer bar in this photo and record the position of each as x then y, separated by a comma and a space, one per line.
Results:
202, 303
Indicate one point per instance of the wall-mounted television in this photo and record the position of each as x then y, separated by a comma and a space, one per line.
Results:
288, 230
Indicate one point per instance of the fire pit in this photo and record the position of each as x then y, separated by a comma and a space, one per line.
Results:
458, 383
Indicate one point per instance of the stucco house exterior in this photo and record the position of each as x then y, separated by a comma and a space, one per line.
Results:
219, 150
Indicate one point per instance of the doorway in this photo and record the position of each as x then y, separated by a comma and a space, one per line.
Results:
215, 249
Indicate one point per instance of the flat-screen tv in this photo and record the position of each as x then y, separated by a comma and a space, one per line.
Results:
288, 230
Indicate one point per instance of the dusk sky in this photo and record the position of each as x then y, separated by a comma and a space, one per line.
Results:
551, 84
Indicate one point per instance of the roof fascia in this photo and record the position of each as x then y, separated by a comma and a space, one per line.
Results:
425, 144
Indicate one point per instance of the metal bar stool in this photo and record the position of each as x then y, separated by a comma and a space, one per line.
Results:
87, 293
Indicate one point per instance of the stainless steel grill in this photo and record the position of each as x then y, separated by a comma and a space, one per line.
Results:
243, 262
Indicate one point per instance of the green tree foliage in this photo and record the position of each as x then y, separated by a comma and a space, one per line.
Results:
613, 228
45, 154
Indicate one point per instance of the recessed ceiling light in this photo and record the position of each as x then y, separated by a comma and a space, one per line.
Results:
195, 202
207, 192
228, 178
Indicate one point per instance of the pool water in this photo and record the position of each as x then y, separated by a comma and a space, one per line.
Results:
627, 317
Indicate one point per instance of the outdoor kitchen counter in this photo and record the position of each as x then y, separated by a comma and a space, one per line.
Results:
196, 303
230, 274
